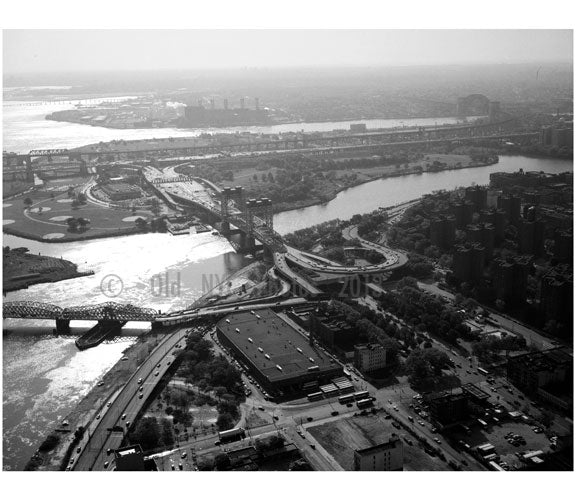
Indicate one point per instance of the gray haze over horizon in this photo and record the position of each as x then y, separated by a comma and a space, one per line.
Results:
35, 51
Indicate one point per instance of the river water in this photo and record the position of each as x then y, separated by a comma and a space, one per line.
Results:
25, 127
44, 377
386, 192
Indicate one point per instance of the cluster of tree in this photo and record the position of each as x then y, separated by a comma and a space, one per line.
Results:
208, 372
370, 226
488, 349
370, 326
77, 224
156, 225
426, 313
423, 365
274, 442
374, 257
418, 266
328, 233
150, 434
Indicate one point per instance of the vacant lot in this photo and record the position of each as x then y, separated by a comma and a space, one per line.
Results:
341, 437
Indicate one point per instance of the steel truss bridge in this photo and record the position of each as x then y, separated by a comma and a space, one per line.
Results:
293, 142
97, 312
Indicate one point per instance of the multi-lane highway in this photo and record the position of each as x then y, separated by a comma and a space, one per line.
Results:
121, 410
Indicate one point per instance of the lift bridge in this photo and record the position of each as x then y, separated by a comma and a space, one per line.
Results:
107, 311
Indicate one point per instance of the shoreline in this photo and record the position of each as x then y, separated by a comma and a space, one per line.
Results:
43, 279
272, 124
412, 171
22, 269
285, 208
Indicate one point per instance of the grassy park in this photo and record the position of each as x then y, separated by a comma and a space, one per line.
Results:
42, 215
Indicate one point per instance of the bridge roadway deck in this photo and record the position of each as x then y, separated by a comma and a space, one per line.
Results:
294, 139
100, 438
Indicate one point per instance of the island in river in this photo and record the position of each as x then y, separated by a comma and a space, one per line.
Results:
22, 269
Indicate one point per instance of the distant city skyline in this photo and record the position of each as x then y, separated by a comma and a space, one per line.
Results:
29, 51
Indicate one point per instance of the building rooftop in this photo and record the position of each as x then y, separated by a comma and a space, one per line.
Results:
544, 360
273, 346
390, 444
475, 391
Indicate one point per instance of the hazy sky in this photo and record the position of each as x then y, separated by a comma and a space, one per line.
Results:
82, 50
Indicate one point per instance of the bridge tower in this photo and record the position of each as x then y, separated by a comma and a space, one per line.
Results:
231, 195
261, 209
29, 169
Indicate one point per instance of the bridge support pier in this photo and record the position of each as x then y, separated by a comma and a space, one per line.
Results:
268, 254
29, 170
247, 243
225, 228
63, 326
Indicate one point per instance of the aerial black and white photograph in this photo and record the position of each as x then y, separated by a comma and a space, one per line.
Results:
240, 247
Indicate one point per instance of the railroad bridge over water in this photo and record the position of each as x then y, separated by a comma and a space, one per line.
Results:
103, 313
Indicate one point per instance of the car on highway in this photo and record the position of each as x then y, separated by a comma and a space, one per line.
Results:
184, 455
123, 417
106, 464
125, 358
140, 396
421, 422
156, 374
334, 413
79, 449
98, 416
140, 381
109, 404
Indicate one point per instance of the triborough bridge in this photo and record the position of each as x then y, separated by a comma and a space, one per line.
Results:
251, 219
506, 128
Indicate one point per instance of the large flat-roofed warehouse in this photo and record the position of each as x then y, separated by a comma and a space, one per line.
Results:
278, 357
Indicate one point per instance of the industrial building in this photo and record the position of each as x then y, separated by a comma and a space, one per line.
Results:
121, 191
448, 408
535, 370
131, 458
278, 357
334, 333
369, 357
388, 456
